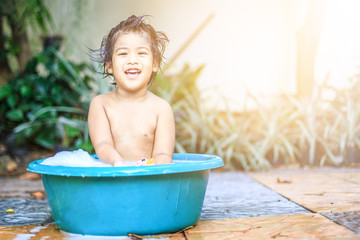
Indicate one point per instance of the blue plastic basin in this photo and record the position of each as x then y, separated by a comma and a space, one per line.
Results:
115, 201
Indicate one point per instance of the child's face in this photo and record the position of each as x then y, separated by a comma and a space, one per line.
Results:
132, 62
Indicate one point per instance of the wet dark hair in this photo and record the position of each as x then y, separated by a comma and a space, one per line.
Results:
158, 41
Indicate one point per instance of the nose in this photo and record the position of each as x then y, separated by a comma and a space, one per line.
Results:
133, 59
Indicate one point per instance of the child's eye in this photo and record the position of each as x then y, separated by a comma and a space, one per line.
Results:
142, 53
122, 53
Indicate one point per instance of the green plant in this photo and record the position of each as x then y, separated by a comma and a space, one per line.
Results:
346, 109
233, 139
15, 19
176, 87
350, 128
202, 130
49, 95
312, 127
311, 131
57, 126
273, 133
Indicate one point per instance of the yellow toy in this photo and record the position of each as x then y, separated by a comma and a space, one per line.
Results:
10, 210
146, 162
150, 161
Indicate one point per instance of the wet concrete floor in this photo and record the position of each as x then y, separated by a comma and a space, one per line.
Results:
303, 204
332, 192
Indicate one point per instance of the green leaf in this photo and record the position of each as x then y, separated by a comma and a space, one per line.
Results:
56, 109
25, 90
15, 115
72, 132
12, 100
85, 145
5, 91
45, 141
69, 68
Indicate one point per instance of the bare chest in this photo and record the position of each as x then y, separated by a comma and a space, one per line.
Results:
132, 123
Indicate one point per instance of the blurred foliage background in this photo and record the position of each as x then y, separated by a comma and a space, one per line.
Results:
44, 102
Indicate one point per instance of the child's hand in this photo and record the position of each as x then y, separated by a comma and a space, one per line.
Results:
119, 163
145, 162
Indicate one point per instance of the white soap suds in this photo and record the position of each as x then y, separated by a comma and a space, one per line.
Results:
77, 158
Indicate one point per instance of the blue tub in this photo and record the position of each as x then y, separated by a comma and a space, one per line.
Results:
144, 200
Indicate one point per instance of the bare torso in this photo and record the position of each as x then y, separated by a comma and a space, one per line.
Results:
130, 127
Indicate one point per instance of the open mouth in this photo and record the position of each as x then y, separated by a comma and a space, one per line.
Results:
133, 72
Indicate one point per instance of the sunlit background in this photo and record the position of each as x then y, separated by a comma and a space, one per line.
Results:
258, 82
245, 45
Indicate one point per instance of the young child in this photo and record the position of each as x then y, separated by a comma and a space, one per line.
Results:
130, 124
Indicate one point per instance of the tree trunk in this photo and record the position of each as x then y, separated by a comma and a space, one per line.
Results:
5, 71
307, 41
21, 40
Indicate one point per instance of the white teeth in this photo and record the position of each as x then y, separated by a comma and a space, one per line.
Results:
132, 71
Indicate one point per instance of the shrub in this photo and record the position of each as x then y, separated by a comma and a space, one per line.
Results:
45, 103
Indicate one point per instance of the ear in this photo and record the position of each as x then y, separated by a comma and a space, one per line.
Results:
109, 68
155, 67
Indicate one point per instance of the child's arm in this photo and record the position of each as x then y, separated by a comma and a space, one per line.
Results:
164, 142
100, 134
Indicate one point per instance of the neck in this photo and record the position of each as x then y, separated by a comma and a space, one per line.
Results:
131, 97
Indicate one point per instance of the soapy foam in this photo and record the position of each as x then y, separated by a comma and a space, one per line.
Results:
77, 158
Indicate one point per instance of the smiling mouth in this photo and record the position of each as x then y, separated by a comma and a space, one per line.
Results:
132, 72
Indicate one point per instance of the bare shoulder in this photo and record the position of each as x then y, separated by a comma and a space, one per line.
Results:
101, 99
159, 103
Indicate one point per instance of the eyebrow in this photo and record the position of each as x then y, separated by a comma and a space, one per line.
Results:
125, 48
